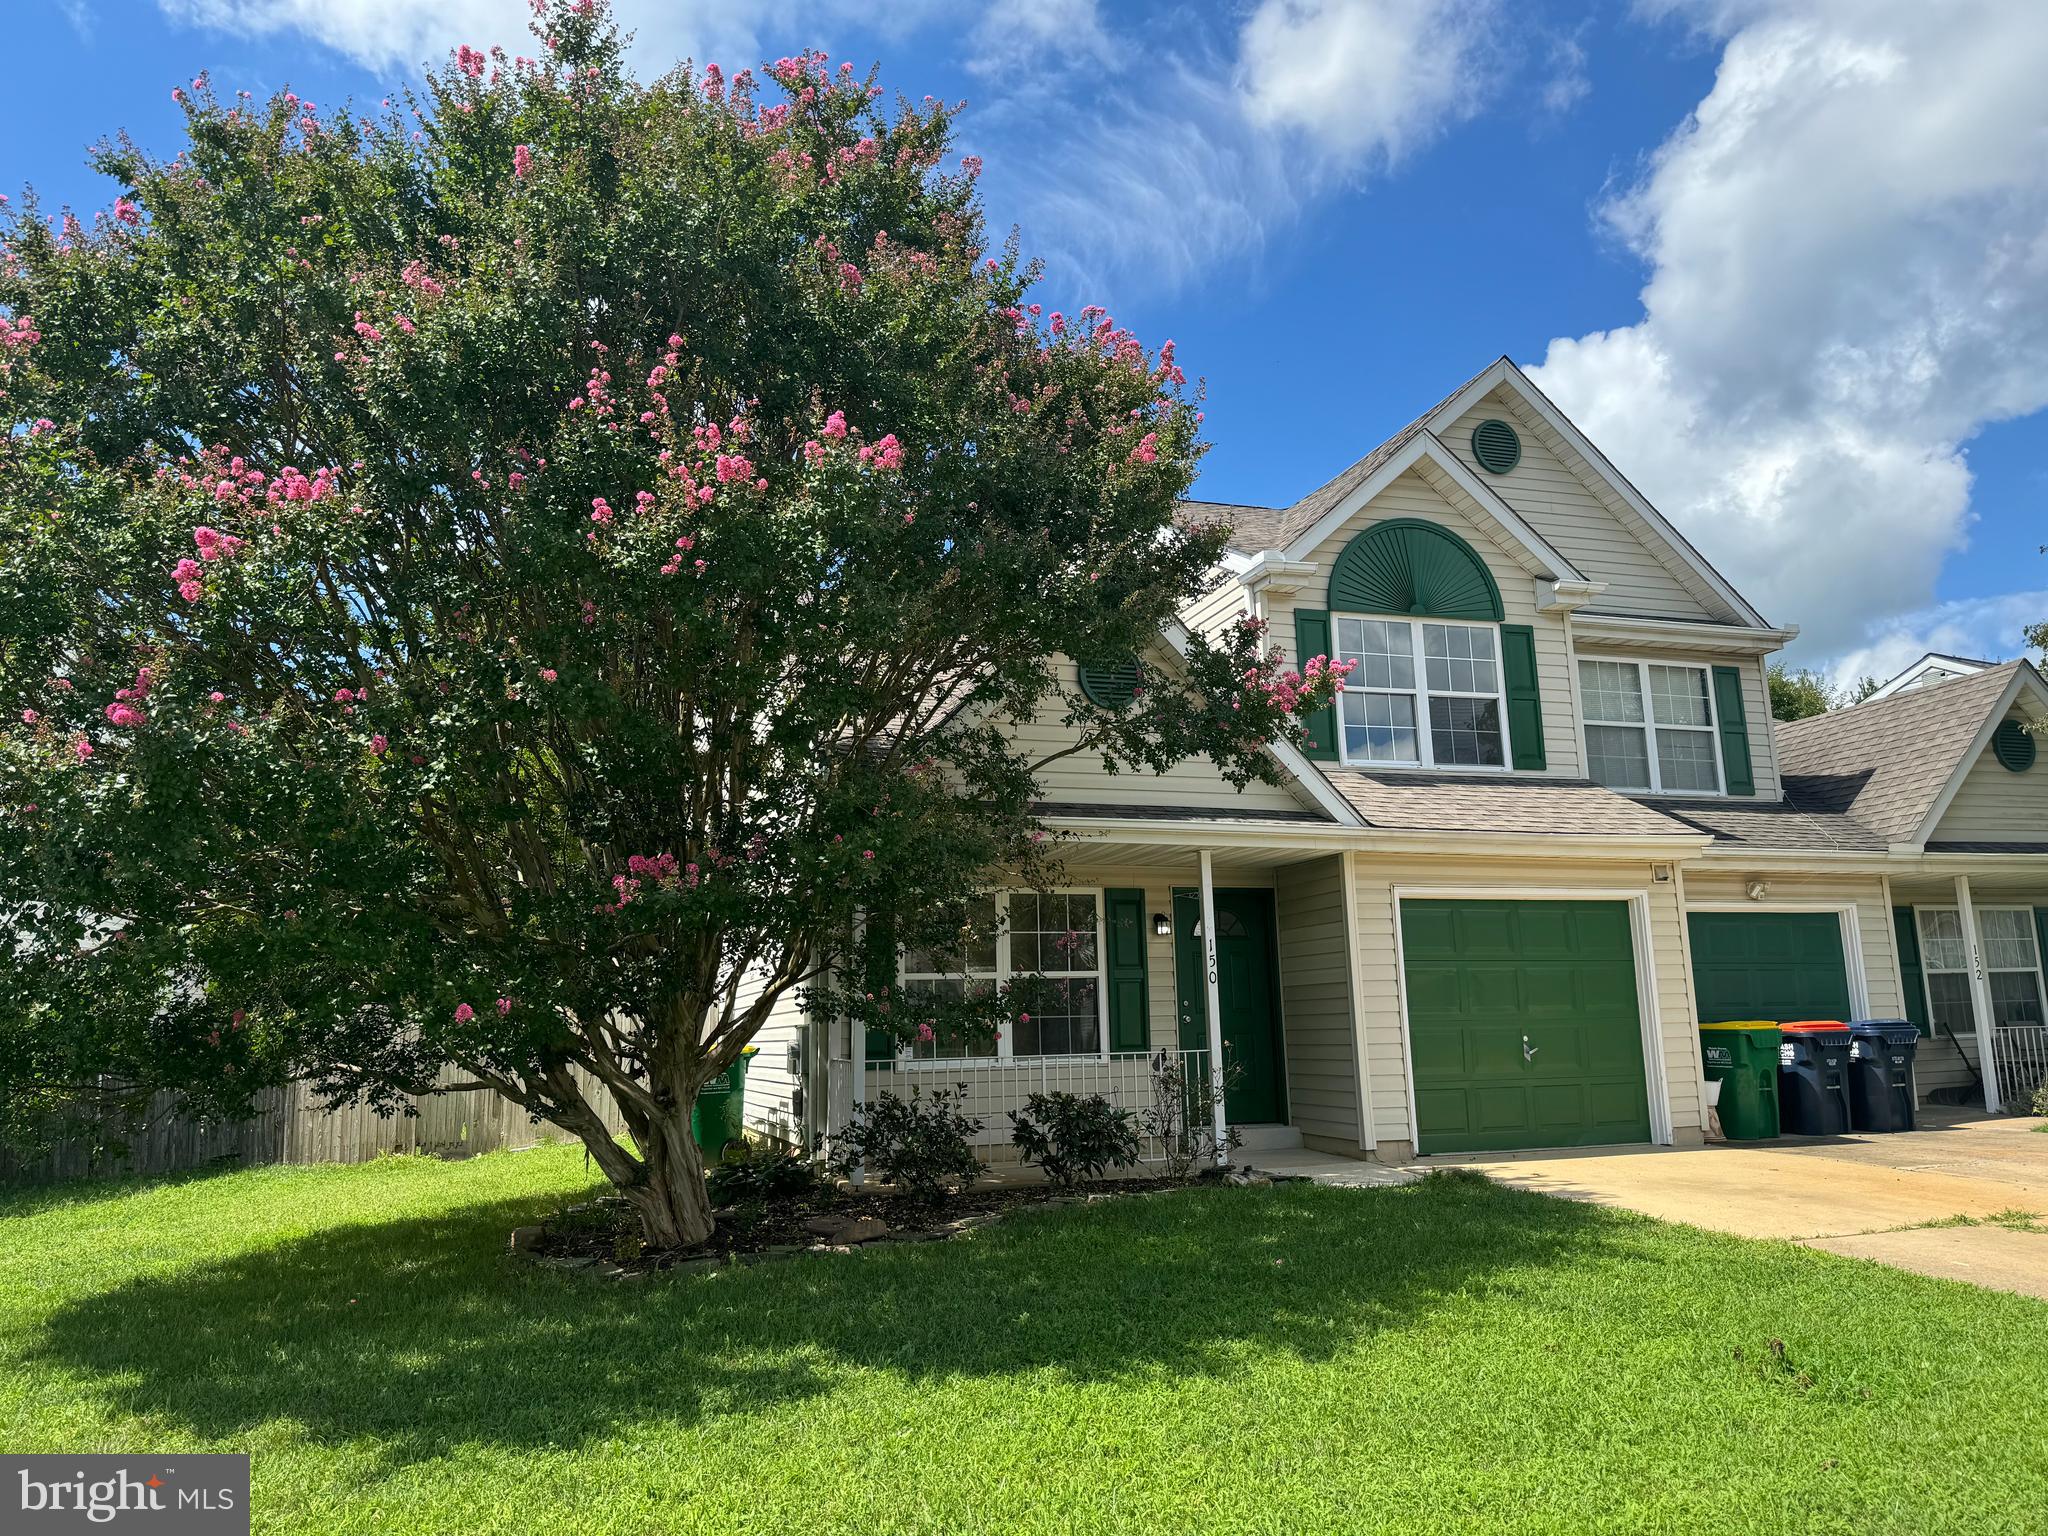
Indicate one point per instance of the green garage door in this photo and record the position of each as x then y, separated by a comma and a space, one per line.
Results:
1768, 965
1522, 1024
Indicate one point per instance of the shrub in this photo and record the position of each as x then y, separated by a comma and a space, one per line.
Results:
917, 1144
1071, 1137
1182, 1115
767, 1174
2041, 1097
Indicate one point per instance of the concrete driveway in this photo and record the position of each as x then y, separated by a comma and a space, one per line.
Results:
1894, 1198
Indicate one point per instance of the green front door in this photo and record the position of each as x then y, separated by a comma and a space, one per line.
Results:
1247, 990
1773, 966
1523, 1024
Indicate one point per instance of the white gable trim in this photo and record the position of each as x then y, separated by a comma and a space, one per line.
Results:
2024, 680
1305, 773
1505, 372
1524, 544
1933, 660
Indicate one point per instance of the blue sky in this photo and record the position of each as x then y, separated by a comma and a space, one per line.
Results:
1786, 260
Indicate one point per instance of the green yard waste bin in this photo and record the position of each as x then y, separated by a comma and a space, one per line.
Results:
719, 1117
1743, 1058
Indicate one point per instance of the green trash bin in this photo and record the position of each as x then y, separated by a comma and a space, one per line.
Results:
719, 1117
1743, 1058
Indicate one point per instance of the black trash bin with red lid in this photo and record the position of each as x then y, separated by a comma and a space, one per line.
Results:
1813, 1077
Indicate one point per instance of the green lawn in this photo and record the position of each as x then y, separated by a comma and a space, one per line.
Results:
1445, 1357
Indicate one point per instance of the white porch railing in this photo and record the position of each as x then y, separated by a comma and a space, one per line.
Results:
990, 1089
2019, 1054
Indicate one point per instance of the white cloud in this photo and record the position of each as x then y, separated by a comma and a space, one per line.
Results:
1848, 254
1365, 81
1989, 627
397, 36
1022, 39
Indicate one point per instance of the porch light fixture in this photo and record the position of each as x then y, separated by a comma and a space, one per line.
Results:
1161, 925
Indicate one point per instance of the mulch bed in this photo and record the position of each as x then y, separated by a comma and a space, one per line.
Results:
603, 1235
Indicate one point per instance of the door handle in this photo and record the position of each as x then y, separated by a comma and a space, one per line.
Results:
1528, 1050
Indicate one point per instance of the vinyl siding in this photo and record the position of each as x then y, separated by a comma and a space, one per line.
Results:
770, 1107
1411, 496
1380, 1016
1217, 607
1081, 778
1756, 700
1996, 805
1315, 990
1579, 514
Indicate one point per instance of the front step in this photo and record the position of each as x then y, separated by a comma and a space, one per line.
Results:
1267, 1138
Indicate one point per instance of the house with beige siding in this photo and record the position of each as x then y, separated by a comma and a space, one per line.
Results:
1546, 831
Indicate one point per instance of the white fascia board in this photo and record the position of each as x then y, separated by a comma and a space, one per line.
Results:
1272, 571
1566, 596
1930, 662
1505, 372
1531, 550
2024, 680
1681, 634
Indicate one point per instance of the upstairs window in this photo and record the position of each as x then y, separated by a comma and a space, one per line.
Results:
1423, 693
1650, 727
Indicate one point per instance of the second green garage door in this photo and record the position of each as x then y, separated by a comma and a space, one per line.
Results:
1523, 1024
1768, 965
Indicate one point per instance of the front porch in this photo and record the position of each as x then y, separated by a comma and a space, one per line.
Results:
1168, 959
1971, 949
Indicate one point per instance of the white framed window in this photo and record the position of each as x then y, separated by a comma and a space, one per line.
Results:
1048, 945
2012, 966
1426, 693
1650, 726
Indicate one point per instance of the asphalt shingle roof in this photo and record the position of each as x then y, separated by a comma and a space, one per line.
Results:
1886, 761
1451, 802
1773, 824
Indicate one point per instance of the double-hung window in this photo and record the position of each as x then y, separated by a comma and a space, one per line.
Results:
1422, 692
1048, 948
1650, 727
2012, 966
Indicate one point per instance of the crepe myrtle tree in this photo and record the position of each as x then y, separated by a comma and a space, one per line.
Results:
519, 578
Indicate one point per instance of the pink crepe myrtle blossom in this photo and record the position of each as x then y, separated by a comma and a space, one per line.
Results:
81, 749
835, 425
504, 1006
126, 211
522, 161
464, 1013
29, 717
548, 674
379, 744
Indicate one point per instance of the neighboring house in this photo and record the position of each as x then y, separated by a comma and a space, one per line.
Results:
1934, 667
1546, 831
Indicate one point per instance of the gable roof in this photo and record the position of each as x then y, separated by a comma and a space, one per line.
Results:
1258, 528
1889, 762
1476, 802
1932, 661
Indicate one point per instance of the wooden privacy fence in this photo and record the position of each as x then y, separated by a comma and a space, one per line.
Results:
290, 1126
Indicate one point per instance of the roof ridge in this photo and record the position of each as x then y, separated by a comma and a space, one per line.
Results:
1903, 697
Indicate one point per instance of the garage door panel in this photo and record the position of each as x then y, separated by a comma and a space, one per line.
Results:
1560, 974
1769, 965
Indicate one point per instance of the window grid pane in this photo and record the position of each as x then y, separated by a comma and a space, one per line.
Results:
2008, 938
1383, 649
1685, 760
1465, 732
1053, 962
1941, 939
1613, 691
1380, 728
2015, 998
1459, 658
1618, 756
1678, 696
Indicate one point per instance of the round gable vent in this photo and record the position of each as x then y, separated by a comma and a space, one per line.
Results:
1111, 687
1496, 447
2014, 746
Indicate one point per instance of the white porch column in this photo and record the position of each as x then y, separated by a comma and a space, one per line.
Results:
1215, 1009
1980, 994
857, 1053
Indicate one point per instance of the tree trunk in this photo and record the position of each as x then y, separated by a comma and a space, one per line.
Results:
673, 1203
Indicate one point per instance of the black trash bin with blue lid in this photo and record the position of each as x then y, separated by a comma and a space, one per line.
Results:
1881, 1055
1813, 1077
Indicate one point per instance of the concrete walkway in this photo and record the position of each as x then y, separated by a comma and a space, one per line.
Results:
1896, 1199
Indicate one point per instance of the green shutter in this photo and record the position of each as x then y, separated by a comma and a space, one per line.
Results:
879, 971
1734, 731
1909, 967
1525, 699
1130, 1021
1312, 638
